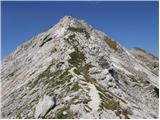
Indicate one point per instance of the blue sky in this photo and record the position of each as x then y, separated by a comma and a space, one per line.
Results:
132, 24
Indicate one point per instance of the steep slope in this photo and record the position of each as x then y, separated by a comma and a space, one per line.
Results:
75, 71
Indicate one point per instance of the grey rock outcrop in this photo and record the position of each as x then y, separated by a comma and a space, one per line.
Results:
89, 74
44, 106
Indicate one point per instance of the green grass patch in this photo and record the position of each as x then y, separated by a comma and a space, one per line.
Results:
75, 87
113, 44
52, 78
72, 41
77, 58
108, 103
77, 72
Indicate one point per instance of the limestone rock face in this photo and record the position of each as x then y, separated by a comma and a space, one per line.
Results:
75, 71
45, 104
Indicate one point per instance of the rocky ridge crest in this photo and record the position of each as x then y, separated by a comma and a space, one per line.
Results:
81, 73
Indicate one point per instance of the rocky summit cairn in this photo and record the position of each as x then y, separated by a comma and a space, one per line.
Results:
75, 71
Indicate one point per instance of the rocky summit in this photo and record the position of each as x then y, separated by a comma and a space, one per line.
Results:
74, 71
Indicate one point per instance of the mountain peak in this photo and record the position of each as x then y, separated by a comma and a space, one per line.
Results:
67, 18
71, 71
73, 22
